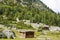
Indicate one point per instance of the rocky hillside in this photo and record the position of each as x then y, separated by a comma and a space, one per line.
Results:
33, 10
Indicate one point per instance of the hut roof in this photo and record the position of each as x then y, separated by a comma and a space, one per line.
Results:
26, 31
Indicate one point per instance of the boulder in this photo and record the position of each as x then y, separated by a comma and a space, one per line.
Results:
9, 33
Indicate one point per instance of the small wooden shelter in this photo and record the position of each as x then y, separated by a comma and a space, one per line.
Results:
26, 34
46, 27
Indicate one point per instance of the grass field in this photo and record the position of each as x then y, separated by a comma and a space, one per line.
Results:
38, 36
20, 39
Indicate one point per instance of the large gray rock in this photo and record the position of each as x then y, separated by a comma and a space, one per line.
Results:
54, 28
9, 34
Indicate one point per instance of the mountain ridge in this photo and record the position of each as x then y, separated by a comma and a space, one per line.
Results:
34, 11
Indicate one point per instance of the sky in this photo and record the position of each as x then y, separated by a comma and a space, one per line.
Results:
53, 4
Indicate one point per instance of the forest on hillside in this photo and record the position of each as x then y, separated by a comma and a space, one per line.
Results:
35, 11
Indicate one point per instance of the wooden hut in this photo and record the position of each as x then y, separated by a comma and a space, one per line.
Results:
46, 27
26, 34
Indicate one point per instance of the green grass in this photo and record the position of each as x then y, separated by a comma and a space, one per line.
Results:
54, 36
20, 39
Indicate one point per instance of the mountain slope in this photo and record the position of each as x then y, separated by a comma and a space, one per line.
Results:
35, 11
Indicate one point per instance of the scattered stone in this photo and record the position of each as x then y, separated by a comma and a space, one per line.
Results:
47, 39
